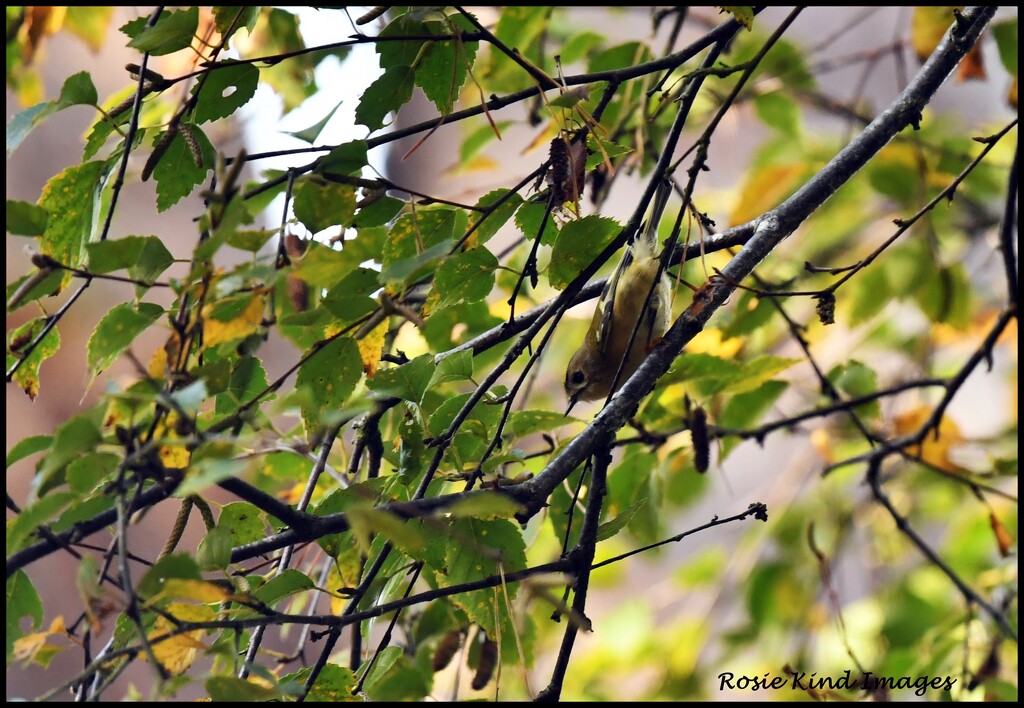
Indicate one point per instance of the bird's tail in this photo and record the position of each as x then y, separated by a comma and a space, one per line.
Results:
647, 242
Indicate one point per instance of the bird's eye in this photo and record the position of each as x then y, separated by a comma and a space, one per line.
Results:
577, 378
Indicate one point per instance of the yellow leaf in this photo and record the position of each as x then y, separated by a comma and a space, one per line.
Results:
821, 441
764, 189
28, 647
543, 139
433, 298
936, 447
371, 347
197, 590
245, 323
177, 653
173, 456
157, 368
25, 648
927, 27
40, 21
709, 341
477, 163
293, 494
744, 14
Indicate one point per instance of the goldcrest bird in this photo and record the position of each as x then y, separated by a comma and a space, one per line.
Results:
592, 369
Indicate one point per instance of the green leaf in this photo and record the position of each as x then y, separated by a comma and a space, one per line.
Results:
22, 123
704, 569
244, 522
498, 217
117, 330
346, 159
22, 528
86, 472
388, 93
529, 218
757, 371
178, 565
871, 293
402, 272
744, 14
577, 244
777, 110
746, 409
214, 552
523, 423
378, 212
27, 375
399, 681
579, 45
473, 550
335, 684
251, 240
72, 438
29, 446
328, 377
857, 379
408, 381
277, 32
442, 69
425, 228
350, 299
22, 601
367, 523
486, 505
78, 90
707, 375
476, 140
95, 503
417, 241
173, 31
311, 133
1005, 34
225, 90
749, 314
89, 24
176, 173
320, 206
454, 367
945, 297
25, 218
520, 25
467, 276
70, 198
203, 473
322, 266
339, 545
144, 257
611, 527
396, 54
385, 661
247, 379
596, 155
230, 18
281, 586
232, 689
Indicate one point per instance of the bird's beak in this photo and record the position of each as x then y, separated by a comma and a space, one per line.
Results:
572, 402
